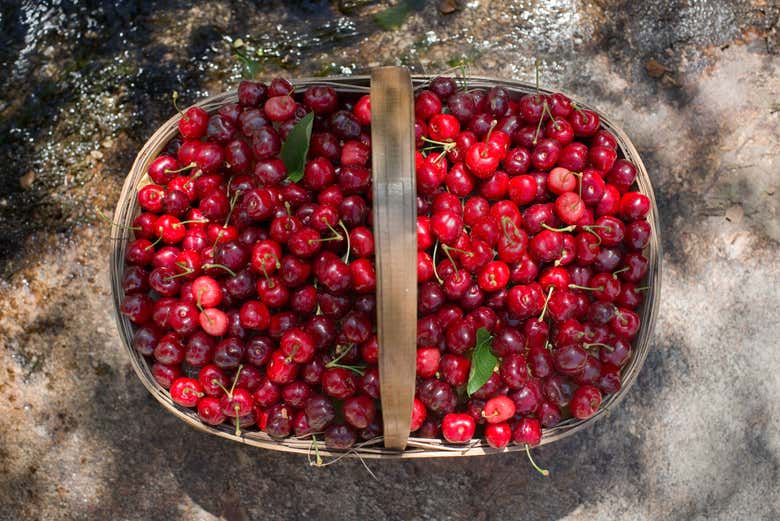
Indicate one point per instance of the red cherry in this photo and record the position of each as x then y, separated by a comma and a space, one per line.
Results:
499, 409
458, 427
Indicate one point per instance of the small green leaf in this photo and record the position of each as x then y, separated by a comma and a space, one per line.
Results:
483, 362
296, 147
249, 66
395, 16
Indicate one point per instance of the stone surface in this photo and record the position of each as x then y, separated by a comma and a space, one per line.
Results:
693, 83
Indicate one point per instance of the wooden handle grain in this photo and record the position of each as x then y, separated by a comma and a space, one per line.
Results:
395, 237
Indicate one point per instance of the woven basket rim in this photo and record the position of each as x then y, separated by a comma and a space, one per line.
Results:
417, 447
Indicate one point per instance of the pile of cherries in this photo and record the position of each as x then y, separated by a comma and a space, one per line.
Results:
254, 294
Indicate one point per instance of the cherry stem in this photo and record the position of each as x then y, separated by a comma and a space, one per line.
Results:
196, 221
450, 248
490, 130
222, 266
197, 299
235, 380
435, 272
336, 236
359, 369
339, 356
546, 108
591, 227
317, 457
265, 274
576, 107
598, 344
219, 384
505, 223
621, 270
273, 256
546, 301
155, 243
569, 228
233, 201
642, 288
447, 253
464, 76
577, 286
294, 351
175, 97
346, 234
238, 420
540, 470
103, 217
182, 169
447, 145
187, 271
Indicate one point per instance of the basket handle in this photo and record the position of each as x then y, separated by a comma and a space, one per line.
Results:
395, 237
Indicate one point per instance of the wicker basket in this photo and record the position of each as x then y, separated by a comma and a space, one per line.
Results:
127, 209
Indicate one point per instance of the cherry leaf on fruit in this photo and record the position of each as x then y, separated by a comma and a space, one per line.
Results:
296, 148
483, 362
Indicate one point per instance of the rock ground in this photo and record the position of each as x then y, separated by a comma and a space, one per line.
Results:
694, 83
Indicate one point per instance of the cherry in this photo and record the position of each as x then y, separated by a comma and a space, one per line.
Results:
455, 369
165, 374
528, 398
528, 431
426, 104
236, 403
446, 226
573, 156
637, 235
499, 409
625, 323
193, 123
145, 339
545, 154
279, 421
514, 370
525, 300
458, 427
137, 307
482, 160
251, 94
419, 413
427, 361
443, 127
213, 380
338, 382
437, 396
498, 435
359, 411
339, 436
585, 402
531, 107
210, 411
569, 207
621, 175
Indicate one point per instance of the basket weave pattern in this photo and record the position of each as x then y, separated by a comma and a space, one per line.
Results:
127, 209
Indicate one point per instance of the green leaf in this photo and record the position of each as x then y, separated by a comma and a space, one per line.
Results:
249, 66
296, 147
483, 362
395, 16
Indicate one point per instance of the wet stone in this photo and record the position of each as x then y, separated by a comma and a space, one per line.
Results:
694, 84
